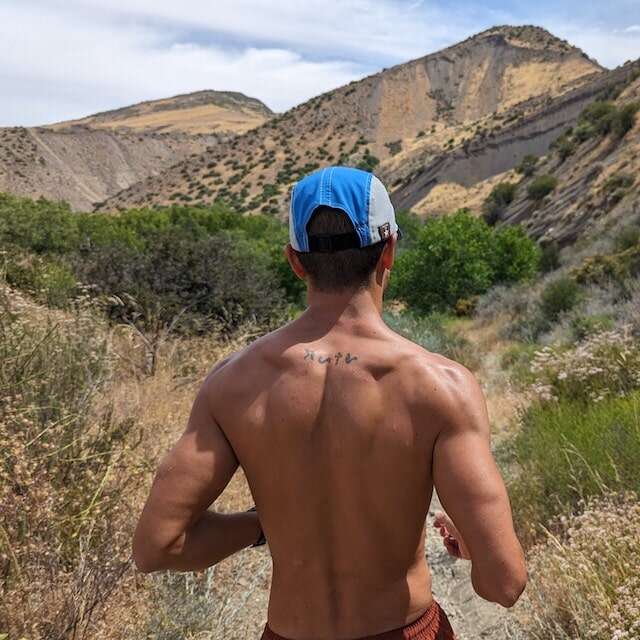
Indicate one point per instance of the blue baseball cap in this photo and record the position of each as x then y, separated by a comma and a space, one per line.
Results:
358, 193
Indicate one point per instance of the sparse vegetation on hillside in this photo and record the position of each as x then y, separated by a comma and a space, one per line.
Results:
542, 186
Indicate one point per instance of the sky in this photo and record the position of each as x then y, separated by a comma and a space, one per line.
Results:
63, 59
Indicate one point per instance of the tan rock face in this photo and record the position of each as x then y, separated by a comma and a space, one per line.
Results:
395, 121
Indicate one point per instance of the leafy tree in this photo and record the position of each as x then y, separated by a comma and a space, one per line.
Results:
457, 257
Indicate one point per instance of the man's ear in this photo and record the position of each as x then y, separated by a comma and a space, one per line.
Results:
386, 260
294, 262
388, 256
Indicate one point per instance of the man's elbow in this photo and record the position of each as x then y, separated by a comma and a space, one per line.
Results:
150, 555
505, 590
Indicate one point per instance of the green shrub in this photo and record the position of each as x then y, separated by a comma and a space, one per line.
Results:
559, 296
600, 115
515, 256
550, 257
527, 165
568, 451
432, 332
457, 257
542, 186
47, 279
625, 119
410, 225
627, 237
500, 197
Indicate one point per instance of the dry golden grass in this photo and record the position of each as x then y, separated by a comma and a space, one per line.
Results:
201, 119
584, 579
81, 432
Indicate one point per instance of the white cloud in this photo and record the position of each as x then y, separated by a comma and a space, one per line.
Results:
60, 60
609, 47
634, 28
67, 58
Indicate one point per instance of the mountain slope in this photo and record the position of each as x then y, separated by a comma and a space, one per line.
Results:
416, 109
597, 176
202, 112
86, 161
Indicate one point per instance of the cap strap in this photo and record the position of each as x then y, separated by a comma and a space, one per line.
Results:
328, 243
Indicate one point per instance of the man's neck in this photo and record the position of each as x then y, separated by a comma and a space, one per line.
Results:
344, 307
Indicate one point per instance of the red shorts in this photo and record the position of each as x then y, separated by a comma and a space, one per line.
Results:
433, 624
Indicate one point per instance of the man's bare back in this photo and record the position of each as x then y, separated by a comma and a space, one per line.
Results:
343, 428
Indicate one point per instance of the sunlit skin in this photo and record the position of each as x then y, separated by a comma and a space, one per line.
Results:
343, 429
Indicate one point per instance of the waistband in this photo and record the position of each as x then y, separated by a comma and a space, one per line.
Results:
433, 624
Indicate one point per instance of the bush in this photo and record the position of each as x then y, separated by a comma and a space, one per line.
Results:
625, 119
500, 197
627, 237
221, 278
515, 257
541, 187
433, 333
527, 165
457, 257
134, 254
568, 451
559, 296
603, 364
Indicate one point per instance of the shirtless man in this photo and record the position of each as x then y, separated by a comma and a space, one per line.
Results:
343, 428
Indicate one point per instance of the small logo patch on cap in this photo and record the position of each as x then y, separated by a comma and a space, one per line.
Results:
385, 231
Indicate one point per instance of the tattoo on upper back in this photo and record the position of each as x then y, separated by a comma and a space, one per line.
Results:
327, 359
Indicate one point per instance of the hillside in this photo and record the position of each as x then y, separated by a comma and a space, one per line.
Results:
202, 112
86, 161
393, 121
597, 184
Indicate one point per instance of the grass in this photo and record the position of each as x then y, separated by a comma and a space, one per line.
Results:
570, 451
435, 334
81, 432
584, 578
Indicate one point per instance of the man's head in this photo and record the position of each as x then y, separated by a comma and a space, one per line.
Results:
342, 229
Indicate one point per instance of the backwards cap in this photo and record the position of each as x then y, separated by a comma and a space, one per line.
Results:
358, 193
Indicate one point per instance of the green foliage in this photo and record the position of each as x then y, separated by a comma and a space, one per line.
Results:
202, 263
515, 257
433, 332
550, 257
500, 197
410, 225
627, 237
369, 162
541, 187
624, 119
457, 257
600, 115
568, 451
527, 165
46, 278
559, 296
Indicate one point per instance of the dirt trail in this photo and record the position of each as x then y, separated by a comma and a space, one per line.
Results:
471, 617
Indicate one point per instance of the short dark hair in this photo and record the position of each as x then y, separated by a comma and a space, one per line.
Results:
346, 269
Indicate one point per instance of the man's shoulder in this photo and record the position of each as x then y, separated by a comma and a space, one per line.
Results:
436, 384
241, 364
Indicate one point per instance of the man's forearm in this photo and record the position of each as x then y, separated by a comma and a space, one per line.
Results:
213, 538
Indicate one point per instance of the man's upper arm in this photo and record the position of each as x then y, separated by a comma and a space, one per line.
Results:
472, 491
190, 477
